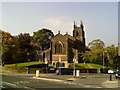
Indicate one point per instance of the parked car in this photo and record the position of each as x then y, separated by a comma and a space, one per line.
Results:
64, 71
117, 75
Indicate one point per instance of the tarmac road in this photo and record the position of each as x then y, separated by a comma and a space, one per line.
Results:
16, 81
28, 82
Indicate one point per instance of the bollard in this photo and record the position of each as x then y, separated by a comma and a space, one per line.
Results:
37, 73
98, 70
110, 77
77, 73
110, 72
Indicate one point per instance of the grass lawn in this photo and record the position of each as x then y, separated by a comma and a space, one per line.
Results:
82, 65
23, 64
79, 65
97, 65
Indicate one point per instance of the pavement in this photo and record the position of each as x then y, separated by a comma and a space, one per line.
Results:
110, 84
86, 80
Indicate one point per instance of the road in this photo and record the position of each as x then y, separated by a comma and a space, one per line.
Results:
27, 82
15, 81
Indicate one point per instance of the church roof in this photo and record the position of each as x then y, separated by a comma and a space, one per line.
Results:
60, 36
69, 36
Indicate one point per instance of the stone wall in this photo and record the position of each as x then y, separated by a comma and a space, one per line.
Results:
14, 70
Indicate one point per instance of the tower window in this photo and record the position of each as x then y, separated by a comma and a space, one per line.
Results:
77, 34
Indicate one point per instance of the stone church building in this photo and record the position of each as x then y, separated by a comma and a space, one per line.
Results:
64, 48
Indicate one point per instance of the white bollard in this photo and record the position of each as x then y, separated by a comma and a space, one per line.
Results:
37, 73
77, 73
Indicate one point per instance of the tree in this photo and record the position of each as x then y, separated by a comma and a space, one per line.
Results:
8, 44
86, 56
26, 51
42, 38
112, 54
95, 54
96, 44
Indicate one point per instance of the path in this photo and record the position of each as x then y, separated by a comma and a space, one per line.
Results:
89, 65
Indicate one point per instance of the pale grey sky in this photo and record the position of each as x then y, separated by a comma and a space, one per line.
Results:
99, 18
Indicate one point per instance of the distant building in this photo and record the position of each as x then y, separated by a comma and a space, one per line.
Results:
63, 48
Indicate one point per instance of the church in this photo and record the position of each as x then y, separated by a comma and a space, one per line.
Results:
66, 48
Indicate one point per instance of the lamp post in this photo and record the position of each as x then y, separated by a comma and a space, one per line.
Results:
74, 66
60, 64
118, 53
118, 49
46, 62
104, 58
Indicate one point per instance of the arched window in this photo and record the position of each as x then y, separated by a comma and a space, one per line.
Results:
77, 33
58, 48
53, 64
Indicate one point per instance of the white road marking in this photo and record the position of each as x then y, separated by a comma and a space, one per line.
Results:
9, 83
16, 82
69, 83
82, 85
98, 87
66, 82
87, 86
74, 83
21, 82
30, 88
27, 82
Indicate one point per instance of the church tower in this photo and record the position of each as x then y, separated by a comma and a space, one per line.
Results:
78, 32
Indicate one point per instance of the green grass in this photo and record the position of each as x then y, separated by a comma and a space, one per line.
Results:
23, 64
82, 65
79, 65
9, 65
97, 65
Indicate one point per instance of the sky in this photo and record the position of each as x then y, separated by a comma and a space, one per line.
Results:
100, 19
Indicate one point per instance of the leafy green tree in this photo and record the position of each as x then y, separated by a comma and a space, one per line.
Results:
96, 44
26, 50
8, 44
112, 54
42, 38
95, 54
86, 56
98, 53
